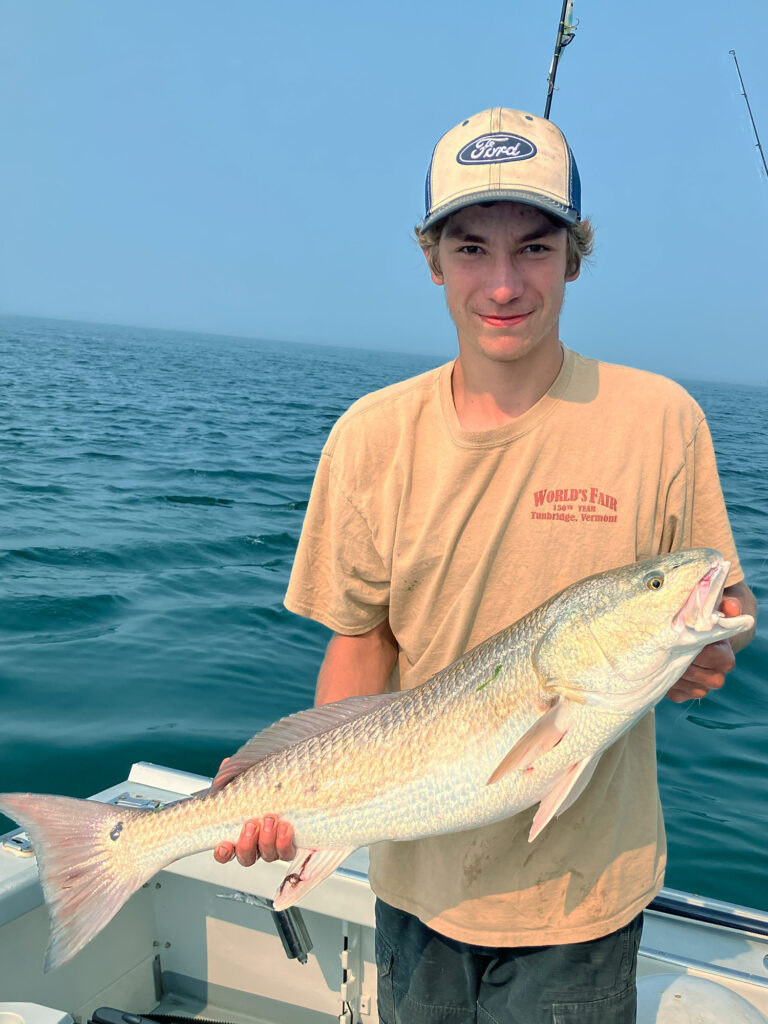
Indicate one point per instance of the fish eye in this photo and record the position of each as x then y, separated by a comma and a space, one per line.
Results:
655, 582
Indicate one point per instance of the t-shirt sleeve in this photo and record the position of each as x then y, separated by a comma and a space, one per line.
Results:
696, 497
338, 576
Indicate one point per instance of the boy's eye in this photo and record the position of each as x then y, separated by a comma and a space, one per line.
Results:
471, 249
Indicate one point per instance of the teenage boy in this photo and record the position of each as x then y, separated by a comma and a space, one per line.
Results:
446, 507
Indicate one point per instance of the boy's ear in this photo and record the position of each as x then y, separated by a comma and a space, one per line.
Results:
436, 277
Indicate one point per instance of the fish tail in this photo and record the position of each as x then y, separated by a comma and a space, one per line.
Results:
89, 865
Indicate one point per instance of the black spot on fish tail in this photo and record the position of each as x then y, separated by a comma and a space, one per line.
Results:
115, 833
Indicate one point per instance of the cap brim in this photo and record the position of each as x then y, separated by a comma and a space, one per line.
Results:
547, 205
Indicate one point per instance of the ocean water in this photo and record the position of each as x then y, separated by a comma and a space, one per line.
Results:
152, 490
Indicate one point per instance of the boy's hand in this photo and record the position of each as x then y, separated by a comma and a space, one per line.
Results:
710, 667
266, 839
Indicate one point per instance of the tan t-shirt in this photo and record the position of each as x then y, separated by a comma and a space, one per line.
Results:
455, 534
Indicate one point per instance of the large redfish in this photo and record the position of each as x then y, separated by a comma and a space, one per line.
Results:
546, 695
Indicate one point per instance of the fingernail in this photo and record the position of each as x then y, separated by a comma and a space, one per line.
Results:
269, 824
221, 850
250, 829
282, 831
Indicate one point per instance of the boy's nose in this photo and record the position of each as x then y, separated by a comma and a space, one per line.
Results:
506, 282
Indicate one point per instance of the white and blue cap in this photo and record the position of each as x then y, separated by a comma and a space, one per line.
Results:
503, 154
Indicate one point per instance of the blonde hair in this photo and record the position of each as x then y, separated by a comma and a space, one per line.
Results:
580, 242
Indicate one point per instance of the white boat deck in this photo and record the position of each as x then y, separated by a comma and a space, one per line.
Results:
178, 947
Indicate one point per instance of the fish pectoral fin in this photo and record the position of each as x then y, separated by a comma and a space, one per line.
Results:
563, 794
544, 734
308, 869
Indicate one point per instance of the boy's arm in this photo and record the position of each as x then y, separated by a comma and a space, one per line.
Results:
356, 665
353, 666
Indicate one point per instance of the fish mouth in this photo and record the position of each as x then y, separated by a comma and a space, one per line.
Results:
699, 612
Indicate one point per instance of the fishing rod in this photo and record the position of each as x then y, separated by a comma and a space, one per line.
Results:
749, 111
565, 33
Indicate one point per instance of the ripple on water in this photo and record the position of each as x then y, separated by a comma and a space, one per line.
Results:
46, 618
195, 499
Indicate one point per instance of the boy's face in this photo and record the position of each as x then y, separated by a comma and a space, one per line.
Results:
503, 270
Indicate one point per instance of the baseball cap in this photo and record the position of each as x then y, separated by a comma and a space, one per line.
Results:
503, 154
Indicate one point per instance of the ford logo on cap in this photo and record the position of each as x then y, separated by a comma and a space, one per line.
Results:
497, 148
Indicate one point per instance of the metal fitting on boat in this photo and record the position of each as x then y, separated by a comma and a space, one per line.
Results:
289, 924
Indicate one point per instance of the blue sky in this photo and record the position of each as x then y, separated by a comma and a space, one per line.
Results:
256, 169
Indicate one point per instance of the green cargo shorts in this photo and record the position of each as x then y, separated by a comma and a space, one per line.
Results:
425, 977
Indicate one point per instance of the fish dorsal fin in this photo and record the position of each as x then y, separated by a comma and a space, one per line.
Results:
563, 794
545, 733
309, 868
291, 730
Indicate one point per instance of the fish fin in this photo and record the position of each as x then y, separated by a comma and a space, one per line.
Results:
295, 728
545, 733
86, 872
563, 794
309, 868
